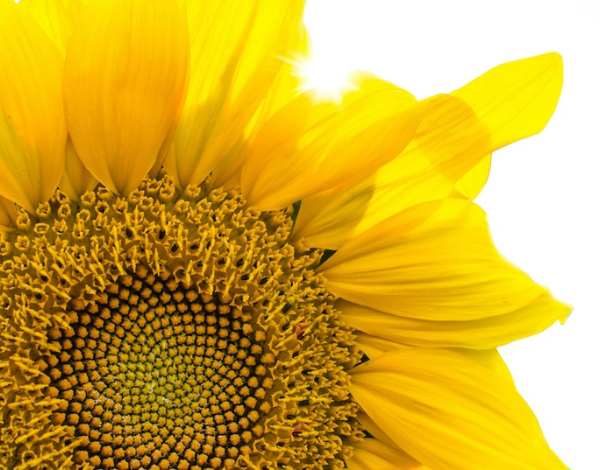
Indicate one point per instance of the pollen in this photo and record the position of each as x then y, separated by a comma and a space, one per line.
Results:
168, 330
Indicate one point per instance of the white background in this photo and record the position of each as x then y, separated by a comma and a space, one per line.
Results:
543, 195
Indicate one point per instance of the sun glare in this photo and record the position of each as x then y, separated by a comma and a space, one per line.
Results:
324, 78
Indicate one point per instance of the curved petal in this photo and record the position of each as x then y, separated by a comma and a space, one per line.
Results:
372, 454
516, 100
374, 430
449, 141
125, 77
375, 346
485, 333
57, 18
434, 261
8, 214
76, 180
452, 409
456, 135
285, 88
236, 52
472, 182
32, 123
307, 148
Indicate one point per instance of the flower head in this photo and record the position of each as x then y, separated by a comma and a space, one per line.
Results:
202, 268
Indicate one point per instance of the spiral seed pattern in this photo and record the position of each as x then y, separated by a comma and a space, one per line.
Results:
168, 330
153, 371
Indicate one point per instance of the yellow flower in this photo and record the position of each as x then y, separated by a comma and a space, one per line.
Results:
232, 275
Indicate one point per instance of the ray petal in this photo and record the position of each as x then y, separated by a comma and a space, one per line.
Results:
435, 261
125, 78
32, 124
449, 154
452, 409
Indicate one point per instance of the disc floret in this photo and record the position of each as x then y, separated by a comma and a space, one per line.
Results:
169, 329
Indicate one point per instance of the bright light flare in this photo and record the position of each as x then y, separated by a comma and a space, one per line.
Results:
324, 78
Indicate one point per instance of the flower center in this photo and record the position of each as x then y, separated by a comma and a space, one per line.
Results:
169, 330
154, 372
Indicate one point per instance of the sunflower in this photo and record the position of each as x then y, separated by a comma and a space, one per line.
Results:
201, 268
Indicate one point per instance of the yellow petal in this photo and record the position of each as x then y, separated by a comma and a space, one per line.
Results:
307, 148
508, 103
76, 180
516, 100
450, 140
57, 18
472, 182
285, 88
372, 454
402, 458
237, 49
8, 214
125, 77
375, 431
434, 261
485, 333
32, 123
375, 346
452, 409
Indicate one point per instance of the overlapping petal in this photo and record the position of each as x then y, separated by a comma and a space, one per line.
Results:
57, 18
372, 454
285, 88
307, 148
448, 142
124, 85
375, 346
237, 49
515, 100
472, 182
484, 333
8, 214
434, 261
32, 124
452, 409
76, 179
451, 147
